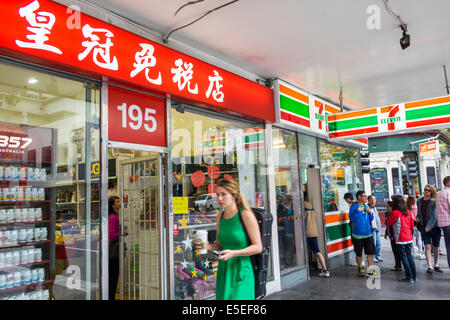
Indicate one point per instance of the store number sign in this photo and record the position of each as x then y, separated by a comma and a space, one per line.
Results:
136, 118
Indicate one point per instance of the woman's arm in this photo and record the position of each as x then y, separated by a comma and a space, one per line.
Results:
252, 227
392, 217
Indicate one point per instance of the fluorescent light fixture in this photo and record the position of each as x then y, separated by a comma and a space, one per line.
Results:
32, 81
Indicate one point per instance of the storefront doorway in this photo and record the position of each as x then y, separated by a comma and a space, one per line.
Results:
139, 185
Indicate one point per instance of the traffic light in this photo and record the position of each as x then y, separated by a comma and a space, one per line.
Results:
365, 161
411, 169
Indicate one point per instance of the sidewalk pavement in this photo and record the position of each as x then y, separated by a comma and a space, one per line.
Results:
345, 283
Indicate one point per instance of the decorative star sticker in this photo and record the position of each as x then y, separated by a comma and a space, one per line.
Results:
187, 243
197, 253
183, 222
194, 273
215, 274
205, 278
178, 249
206, 262
184, 264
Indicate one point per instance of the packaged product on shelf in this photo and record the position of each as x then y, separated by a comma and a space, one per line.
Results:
24, 214
31, 256
2, 235
20, 194
2, 173
6, 194
43, 233
38, 214
35, 194
13, 193
2, 281
41, 194
3, 216
37, 234
6, 236
30, 173
18, 215
8, 173
10, 215
15, 174
34, 276
43, 174
10, 280
31, 214
41, 274
15, 258
37, 174
2, 194
38, 255
26, 277
17, 279
45, 294
22, 236
14, 237
24, 256
30, 234
28, 194
23, 173
2, 259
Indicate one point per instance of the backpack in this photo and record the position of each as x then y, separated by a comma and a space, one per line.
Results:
260, 261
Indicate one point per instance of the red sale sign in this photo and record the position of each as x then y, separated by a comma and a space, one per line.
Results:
136, 118
45, 32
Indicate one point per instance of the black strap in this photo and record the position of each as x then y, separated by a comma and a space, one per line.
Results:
245, 229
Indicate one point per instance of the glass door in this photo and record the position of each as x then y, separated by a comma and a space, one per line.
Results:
140, 188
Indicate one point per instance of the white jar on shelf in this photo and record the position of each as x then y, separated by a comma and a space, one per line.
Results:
37, 234
37, 174
3, 216
2, 235
38, 254
31, 256
45, 294
24, 214
43, 174
15, 174
41, 193
17, 279
10, 216
2, 172
14, 237
43, 233
13, 192
2, 259
6, 194
30, 235
8, 173
38, 214
34, 276
22, 236
26, 277
20, 194
16, 258
41, 273
8, 259
31, 214
30, 173
10, 280
2, 281
35, 194
23, 173
6, 235
18, 215
28, 194
24, 256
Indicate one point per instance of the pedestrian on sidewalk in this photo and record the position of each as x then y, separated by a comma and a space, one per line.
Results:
443, 214
375, 226
427, 221
403, 226
361, 216
418, 249
312, 234
390, 233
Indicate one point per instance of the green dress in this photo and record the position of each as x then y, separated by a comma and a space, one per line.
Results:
235, 278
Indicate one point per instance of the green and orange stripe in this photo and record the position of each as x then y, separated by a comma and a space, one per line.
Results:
294, 106
430, 112
353, 123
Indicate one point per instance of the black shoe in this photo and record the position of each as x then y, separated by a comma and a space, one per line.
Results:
438, 269
429, 270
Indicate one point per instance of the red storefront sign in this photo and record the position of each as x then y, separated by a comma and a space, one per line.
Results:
46, 32
136, 118
428, 148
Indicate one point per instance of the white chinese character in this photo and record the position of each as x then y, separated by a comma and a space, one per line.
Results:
184, 76
145, 60
41, 25
101, 50
217, 94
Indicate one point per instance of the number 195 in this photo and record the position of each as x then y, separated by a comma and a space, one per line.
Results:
134, 114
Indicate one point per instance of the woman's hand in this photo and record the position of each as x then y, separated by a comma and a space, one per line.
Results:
226, 254
201, 245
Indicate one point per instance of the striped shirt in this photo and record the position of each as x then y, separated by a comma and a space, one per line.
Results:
443, 207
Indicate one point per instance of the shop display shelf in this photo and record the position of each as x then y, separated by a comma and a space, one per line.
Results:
202, 226
24, 222
5, 246
26, 265
33, 285
23, 183
24, 202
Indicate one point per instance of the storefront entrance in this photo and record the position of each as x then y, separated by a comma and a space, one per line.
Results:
138, 185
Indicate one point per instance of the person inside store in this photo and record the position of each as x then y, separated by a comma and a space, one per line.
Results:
427, 224
390, 233
235, 277
361, 216
402, 222
113, 230
285, 215
312, 233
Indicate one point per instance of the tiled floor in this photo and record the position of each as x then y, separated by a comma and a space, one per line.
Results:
345, 284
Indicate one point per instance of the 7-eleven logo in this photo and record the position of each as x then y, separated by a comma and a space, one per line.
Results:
319, 115
392, 117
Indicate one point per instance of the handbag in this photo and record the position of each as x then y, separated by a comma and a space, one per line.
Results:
114, 249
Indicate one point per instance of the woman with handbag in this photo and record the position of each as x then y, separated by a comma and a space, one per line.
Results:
113, 226
235, 277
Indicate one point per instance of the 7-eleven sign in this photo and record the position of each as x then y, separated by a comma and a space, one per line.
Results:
392, 118
319, 110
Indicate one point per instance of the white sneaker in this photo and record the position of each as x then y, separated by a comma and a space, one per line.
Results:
422, 257
325, 274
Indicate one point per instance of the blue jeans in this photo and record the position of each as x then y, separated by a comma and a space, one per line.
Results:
407, 260
446, 231
377, 243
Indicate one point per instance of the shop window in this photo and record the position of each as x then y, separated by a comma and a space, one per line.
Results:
49, 182
431, 176
204, 149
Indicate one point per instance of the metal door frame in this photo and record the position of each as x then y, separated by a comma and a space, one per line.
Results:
159, 157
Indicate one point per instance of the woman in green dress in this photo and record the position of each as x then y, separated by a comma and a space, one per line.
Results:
235, 277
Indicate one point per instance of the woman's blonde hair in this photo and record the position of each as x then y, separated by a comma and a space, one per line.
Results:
233, 188
433, 191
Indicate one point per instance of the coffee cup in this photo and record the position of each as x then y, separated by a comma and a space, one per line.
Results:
202, 236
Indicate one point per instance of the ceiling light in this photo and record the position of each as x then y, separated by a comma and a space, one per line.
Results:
32, 81
404, 40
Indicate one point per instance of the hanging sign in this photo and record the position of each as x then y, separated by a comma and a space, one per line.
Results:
428, 148
416, 116
45, 32
136, 118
